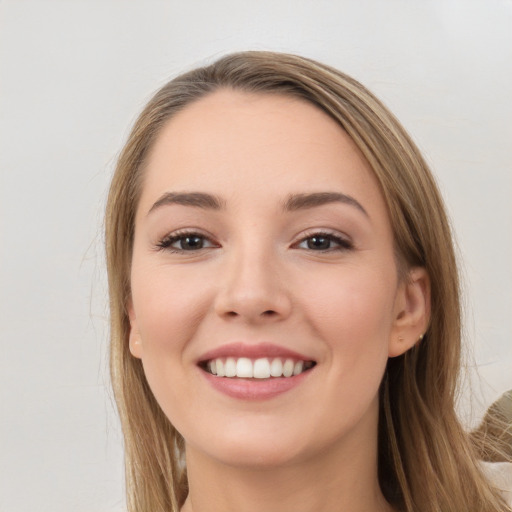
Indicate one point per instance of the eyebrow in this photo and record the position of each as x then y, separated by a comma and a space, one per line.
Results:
304, 201
294, 202
195, 199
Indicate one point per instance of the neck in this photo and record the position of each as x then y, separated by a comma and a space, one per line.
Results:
339, 479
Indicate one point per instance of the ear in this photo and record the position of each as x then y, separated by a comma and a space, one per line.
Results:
411, 312
135, 342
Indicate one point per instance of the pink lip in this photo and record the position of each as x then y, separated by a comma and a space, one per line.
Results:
241, 349
253, 389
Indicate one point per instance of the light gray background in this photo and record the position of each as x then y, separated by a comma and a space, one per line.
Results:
73, 75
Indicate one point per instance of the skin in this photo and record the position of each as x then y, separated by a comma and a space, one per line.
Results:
257, 279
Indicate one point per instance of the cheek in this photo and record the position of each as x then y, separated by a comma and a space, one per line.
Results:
353, 313
168, 306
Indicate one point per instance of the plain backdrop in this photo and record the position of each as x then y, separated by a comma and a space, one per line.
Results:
73, 76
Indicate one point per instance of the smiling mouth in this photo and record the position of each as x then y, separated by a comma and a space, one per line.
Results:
261, 368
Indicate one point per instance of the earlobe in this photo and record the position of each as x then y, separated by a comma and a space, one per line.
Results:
134, 340
412, 312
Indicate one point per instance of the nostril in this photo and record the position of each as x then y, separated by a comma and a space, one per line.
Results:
269, 312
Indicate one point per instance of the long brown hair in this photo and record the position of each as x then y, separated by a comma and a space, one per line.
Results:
426, 461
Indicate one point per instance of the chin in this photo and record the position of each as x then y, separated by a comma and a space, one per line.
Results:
252, 456
256, 447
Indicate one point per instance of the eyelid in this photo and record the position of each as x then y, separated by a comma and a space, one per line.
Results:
165, 243
343, 241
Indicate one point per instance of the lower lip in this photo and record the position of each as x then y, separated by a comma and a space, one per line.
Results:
255, 389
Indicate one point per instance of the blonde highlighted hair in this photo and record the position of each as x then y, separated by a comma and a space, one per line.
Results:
426, 460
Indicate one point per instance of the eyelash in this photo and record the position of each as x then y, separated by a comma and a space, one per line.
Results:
166, 243
343, 244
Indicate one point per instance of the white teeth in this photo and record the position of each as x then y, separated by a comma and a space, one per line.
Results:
244, 368
261, 368
230, 367
288, 368
276, 368
220, 368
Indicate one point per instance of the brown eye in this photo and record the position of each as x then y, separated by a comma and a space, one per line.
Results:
186, 242
321, 243
189, 243
325, 242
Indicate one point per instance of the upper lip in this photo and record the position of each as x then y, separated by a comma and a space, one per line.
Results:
252, 351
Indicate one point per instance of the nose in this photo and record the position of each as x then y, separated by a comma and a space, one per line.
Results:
253, 289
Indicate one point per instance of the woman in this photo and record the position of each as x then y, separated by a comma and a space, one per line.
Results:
285, 318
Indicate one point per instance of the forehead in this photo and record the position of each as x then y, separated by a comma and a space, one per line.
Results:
246, 145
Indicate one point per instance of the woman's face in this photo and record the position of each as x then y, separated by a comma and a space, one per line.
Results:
263, 247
